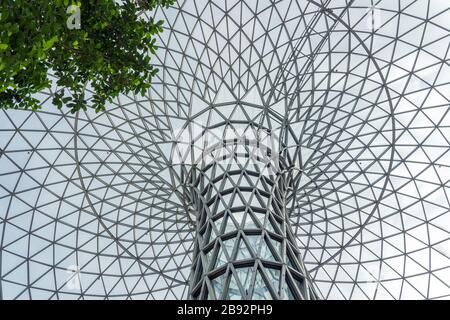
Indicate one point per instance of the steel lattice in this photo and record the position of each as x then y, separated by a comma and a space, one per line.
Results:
359, 92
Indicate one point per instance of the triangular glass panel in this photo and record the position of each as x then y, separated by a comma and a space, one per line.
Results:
266, 253
254, 242
229, 246
233, 290
243, 252
230, 226
274, 278
218, 284
260, 291
221, 259
245, 276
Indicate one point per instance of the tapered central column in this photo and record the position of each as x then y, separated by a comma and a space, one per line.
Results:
244, 246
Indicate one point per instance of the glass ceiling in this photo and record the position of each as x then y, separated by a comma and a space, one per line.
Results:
91, 204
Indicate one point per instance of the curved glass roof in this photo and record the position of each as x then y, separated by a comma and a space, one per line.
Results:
91, 204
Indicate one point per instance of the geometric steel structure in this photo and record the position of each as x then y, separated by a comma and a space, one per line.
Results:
296, 149
244, 246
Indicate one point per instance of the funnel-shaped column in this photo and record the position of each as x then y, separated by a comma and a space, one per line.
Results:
244, 246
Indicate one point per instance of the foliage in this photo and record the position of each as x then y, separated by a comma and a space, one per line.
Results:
110, 52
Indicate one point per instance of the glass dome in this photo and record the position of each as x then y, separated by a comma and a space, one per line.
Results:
356, 97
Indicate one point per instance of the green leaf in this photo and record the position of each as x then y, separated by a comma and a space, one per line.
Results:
49, 43
113, 50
